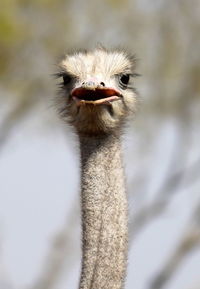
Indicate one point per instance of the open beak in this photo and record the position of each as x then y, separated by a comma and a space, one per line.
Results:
95, 96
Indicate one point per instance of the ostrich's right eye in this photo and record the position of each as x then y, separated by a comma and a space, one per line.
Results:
66, 79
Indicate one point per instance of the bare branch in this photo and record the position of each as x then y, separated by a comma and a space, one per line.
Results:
60, 254
190, 241
149, 213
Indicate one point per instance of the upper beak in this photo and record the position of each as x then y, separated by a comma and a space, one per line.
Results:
91, 93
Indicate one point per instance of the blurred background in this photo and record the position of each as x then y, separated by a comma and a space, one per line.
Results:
39, 162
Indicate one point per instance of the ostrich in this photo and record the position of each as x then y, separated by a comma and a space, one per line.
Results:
97, 96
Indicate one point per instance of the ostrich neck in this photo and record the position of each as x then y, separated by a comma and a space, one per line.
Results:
104, 213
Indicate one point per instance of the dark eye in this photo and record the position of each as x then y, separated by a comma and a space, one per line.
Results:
124, 79
66, 79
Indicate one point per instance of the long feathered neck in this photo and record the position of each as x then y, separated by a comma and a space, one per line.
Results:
104, 213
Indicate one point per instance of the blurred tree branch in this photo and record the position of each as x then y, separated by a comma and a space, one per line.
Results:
147, 214
189, 242
30, 96
61, 253
18, 112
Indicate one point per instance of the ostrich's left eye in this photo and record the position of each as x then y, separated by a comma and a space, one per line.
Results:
124, 79
66, 79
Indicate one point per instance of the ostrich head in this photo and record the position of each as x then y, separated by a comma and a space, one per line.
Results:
97, 92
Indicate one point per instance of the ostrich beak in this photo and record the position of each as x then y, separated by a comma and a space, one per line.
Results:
94, 94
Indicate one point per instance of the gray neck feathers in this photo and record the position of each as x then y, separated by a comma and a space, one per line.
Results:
104, 213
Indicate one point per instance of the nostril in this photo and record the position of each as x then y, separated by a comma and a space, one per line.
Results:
102, 83
83, 83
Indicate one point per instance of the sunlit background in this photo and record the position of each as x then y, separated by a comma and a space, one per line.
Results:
39, 162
